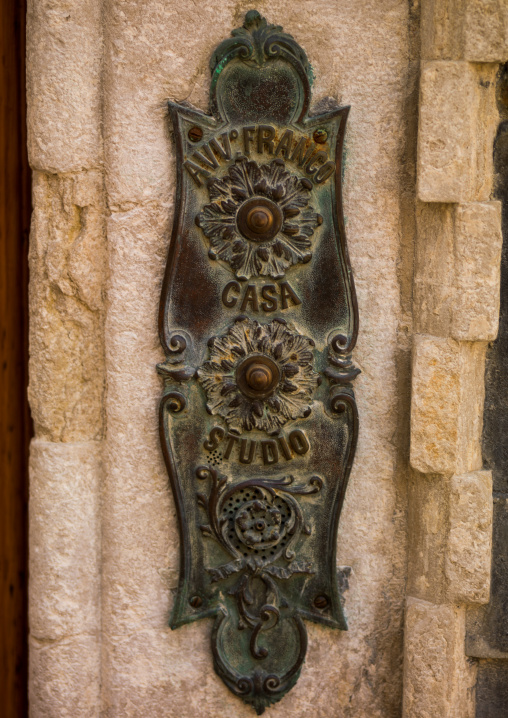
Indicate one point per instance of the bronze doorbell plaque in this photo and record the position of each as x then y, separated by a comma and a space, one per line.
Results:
258, 319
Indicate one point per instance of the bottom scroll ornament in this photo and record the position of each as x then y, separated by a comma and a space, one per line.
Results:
258, 523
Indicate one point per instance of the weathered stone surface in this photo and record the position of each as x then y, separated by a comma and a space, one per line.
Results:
477, 255
434, 282
428, 508
64, 59
457, 270
442, 24
470, 538
446, 405
474, 30
486, 31
487, 630
64, 539
64, 678
455, 132
487, 626
67, 271
438, 680
446, 132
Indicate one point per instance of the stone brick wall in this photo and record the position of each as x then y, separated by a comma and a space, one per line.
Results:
456, 311
103, 538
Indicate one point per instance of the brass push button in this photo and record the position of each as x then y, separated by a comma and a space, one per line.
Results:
257, 376
259, 219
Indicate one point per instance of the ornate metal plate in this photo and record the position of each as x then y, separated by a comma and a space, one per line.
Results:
258, 319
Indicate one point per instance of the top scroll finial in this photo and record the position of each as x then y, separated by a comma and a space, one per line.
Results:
268, 65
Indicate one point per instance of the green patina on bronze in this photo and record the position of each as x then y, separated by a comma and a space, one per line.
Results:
258, 320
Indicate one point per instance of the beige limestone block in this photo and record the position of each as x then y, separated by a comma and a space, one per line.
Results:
457, 272
455, 132
468, 554
438, 679
434, 282
64, 678
446, 405
67, 273
477, 257
474, 30
64, 60
64, 539
427, 521
442, 29
486, 31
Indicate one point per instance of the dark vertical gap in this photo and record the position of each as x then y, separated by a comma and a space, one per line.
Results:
492, 685
15, 426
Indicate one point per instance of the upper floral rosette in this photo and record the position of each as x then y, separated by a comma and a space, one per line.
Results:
259, 376
259, 220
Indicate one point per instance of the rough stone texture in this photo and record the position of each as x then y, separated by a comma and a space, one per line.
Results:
64, 570
470, 538
475, 30
428, 523
477, 255
487, 634
446, 405
67, 271
438, 679
486, 31
487, 626
434, 282
64, 678
64, 53
457, 270
455, 132
154, 51
64, 538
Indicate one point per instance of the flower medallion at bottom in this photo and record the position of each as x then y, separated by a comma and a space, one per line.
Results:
259, 525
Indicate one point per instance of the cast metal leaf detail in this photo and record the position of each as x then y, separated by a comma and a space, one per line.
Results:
259, 376
256, 40
259, 523
259, 220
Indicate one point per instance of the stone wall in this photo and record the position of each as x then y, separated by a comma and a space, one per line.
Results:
456, 311
104, 544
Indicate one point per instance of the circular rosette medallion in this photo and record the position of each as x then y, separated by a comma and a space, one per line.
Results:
259, 220
259, 522
259, 376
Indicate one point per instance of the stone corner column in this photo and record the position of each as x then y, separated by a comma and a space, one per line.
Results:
455, 312
67, 286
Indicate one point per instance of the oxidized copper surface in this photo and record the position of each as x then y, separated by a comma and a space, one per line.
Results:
258, 319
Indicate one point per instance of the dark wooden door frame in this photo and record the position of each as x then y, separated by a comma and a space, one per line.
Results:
15, 427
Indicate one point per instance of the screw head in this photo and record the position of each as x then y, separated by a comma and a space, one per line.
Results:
258, 377
195, 601
195, 134
320, 136
321, 602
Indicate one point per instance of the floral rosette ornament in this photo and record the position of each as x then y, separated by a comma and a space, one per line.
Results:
259, 376
258, 525
259, 220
